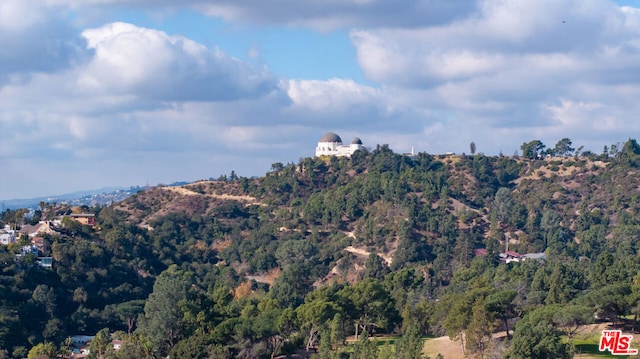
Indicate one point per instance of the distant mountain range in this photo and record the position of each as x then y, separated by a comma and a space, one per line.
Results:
95, 197
102, 196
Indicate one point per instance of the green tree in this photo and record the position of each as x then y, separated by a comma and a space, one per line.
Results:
459, 310
387, 351
20, 352
325, 348
369, 305
194, 346
410, 344
128, 312
478, 332
537, 339
219, 351
46, 297
135, 347
161, 322
80, 295
559, 292
571, 317
502, 305
314, 317
46, 350
337, 329
550, 220
532, 149
294, 252
563, 148
611, 301
375, 267
9, 321
364, 348
292, 285
52, 330
502, 205
100, 343
630, 154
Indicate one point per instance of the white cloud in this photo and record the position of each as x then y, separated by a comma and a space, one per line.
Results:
18, 15
152, 64
495, 37
148, 97
334, 95
510, 62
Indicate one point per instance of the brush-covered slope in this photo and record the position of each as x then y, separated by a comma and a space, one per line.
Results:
421, 209
378, 241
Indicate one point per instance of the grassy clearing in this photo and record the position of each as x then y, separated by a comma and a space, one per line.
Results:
586, 345
589, 349
379, 341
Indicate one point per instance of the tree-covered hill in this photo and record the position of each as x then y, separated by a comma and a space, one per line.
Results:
379, 242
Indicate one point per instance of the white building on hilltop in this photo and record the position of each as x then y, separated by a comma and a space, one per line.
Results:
330, 144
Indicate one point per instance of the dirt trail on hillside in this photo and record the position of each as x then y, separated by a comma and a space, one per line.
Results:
187, 192
365, 253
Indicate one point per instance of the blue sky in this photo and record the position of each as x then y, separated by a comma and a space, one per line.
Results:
288, 51
98, 93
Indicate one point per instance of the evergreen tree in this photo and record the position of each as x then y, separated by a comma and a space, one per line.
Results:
502, 305
375, 267
410, 344
480, 328
46, 350
536, 338
364, 348
161, 322
337, 329
324, 348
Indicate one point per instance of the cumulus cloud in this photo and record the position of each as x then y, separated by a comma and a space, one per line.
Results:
336, 95
521, 68
145, 96
497, 38
130, 72
152, 64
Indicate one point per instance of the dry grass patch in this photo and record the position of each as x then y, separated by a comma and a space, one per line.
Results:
448, 348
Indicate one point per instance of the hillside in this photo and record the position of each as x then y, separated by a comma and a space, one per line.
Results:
373, 208
378, 242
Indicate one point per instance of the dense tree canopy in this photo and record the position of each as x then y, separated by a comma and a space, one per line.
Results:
314, 252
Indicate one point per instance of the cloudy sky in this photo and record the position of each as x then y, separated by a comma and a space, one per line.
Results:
98, 93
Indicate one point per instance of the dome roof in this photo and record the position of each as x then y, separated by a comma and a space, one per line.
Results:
330, 137
356, 141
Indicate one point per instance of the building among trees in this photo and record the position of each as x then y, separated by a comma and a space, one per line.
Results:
87, 219
330, 144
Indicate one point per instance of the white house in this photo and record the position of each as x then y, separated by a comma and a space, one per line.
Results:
7, 238
330, 144
7, 235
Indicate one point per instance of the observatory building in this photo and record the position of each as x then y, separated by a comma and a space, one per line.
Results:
330, 144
